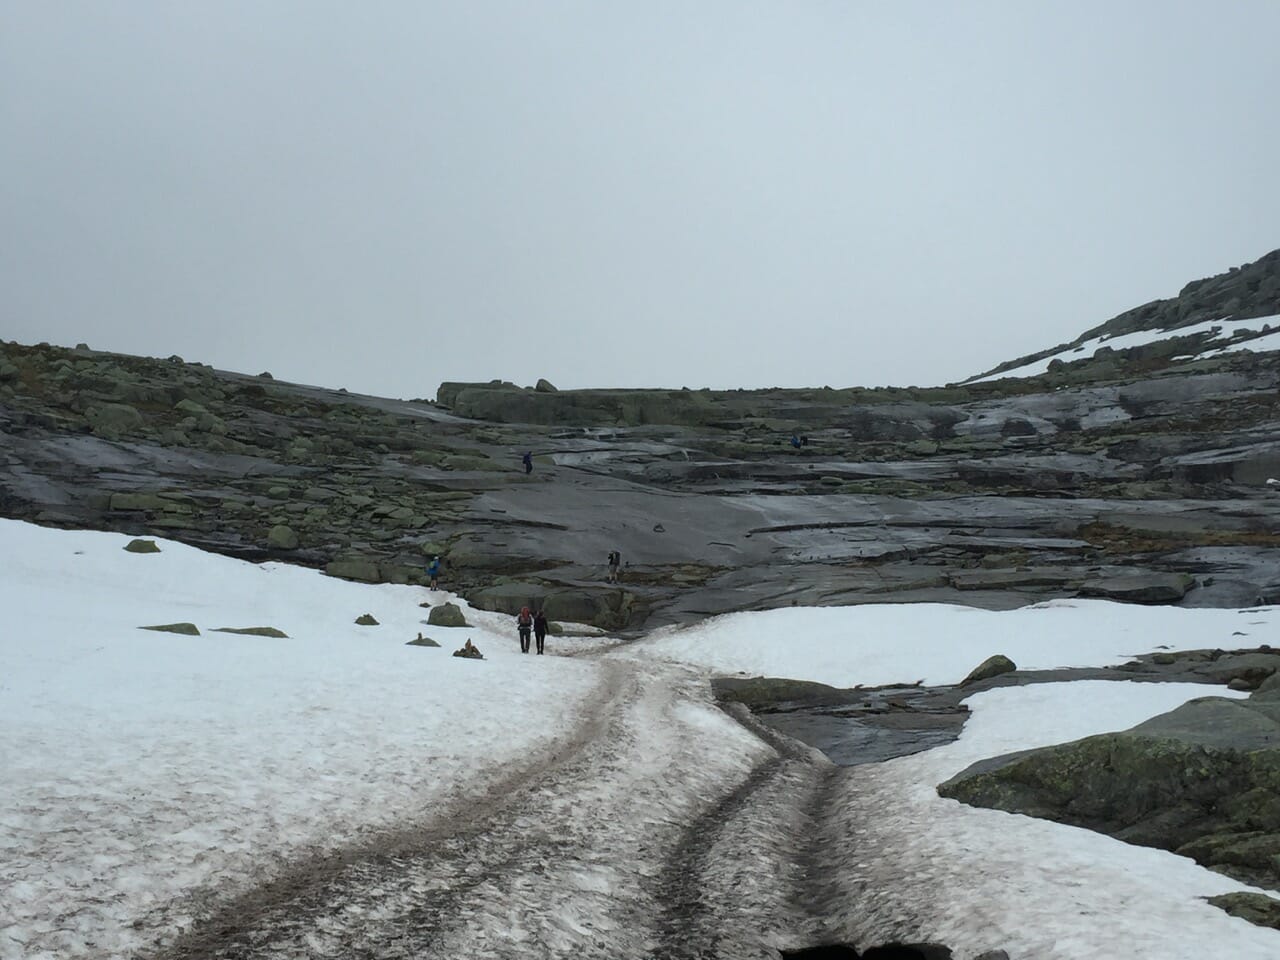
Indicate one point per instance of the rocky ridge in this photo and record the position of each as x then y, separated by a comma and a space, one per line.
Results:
1135, 478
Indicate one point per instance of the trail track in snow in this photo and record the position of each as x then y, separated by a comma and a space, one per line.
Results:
660, 828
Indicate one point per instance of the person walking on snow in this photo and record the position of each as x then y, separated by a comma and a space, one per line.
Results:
540, 629
433, 571
524, 624
527, 460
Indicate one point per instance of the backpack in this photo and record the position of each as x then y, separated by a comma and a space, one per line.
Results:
524, 619
614, 558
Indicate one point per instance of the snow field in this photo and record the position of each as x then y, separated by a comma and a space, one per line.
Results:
142, 765
877, 644
988, 879
146, 774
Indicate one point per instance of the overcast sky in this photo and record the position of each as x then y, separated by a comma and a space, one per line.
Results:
383, 196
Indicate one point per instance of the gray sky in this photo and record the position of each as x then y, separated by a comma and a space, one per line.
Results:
383, 196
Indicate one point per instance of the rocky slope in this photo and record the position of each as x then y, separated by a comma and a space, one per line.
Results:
1139, 477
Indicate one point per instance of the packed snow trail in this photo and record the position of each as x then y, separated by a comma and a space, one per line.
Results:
652, 834
337, 793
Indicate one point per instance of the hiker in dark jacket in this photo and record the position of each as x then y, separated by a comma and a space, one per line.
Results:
524, 624
527, 460
540, 629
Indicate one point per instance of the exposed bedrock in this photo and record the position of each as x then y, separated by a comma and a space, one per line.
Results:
1148, 488
1202, 780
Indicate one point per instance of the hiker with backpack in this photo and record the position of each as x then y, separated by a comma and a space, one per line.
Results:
615, 562
524, 624
433, 571
540, 629
527, 460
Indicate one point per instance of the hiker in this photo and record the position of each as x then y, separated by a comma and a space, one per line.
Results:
540, 629
524, 623
527, 460
796, 441
433, 571
615, 561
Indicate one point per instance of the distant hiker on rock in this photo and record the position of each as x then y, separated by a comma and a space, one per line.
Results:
795, 441
540, 629
469, 650
527, 460
524, 624
615, 561
433, 571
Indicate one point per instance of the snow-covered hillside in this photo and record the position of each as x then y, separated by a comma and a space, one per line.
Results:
146, 775
1226, 336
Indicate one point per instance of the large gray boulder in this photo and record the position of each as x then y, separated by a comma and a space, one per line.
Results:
447, 615
1140, 587
1202, 781
114, 420
282, 537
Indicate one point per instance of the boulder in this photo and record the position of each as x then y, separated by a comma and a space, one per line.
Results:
421, 641
606, 607
1140, 587
1257, 908
142, 546
186, 629
254, 632
469, 651
1202, 781
447, 615
545, 386
283, 537
114, 420
365, 571
1252, 669
990, 667
366, 620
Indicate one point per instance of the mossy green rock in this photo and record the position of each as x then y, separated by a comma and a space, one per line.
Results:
114, 420
1257, 908
366, 620
366, 571
142, 546
186, 629
421, 641
1202, 780
447, 615
990, 667
254, 632
282, 537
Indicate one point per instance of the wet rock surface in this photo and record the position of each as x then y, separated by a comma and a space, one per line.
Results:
860, 725
1146, 488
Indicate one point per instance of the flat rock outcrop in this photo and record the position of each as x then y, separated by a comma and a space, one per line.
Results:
1202, 781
